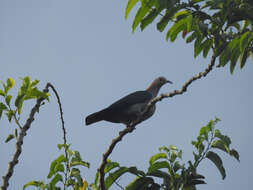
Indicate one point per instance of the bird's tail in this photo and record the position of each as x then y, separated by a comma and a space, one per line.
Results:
95, 117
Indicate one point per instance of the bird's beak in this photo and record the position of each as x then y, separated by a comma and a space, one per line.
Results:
169, 82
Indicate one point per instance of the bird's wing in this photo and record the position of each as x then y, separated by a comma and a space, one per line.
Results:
131, 99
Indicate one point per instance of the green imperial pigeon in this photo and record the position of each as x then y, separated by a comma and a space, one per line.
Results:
129, 108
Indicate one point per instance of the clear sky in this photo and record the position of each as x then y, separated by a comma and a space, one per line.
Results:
87, 51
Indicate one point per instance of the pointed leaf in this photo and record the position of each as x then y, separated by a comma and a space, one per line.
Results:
135, 171
149, 19
130, 5
139, 183
2, 93
242, 59
114, 176
220, 145
142, 11
217, 161
10, 137
57, 178
157, 157
158, 165
33, 183
8, 99
79, 163
235, 154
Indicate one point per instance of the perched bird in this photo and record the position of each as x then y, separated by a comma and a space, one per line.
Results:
129, 108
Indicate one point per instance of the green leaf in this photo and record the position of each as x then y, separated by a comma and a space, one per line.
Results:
142, 11
10, 137
130, 5
217, 161
34, 183
2, 93
139, 183
110, 165
114, 176
242, 58
204, 132
189, 22
197, 45
157, 157
16, 133
75, 172
224, 138
149, 19
57, 178
158, 165
176, 166
245, 39
235, 154
176, 29
8, 99
206, 47
79, 163
135, 171
10, 114
3, 106
34, 83
220, 145
191, 37
173, 156
58, 160
160, 174
59, 168
19, 102
10, 83
163, 22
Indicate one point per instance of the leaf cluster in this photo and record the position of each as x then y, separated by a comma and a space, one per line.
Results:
27, 91
63, 171
168, 167
225, 26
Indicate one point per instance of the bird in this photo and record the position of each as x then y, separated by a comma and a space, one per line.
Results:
129, 109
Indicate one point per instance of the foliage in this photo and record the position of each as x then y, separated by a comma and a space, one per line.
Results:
64, 170
225, 26
27, 91
167, 164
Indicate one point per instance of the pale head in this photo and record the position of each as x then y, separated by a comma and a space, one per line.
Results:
157, 84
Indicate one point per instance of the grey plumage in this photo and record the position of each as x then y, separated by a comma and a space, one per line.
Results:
130, 107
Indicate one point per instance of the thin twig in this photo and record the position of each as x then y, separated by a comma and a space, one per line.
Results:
64, 131
130, 128
19, 142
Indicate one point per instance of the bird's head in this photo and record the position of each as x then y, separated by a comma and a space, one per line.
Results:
156, 85
160, 81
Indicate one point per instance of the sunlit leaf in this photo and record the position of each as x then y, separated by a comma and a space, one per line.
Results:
158, 165
34, 183
8, 99
157, 157
57, 178
220, 145
10, 137
142, 11
130, 5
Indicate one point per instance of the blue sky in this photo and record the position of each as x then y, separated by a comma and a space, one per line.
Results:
87, 51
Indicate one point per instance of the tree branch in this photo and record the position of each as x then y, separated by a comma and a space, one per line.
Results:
130, 128
19, 142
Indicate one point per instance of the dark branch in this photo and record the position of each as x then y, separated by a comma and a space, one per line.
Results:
19, 142
130, 128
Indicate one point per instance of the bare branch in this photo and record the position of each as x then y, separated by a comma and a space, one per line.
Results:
19, 142
130, 128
